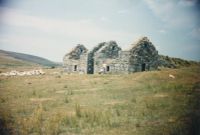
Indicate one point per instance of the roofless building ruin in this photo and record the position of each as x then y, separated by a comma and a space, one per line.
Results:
108, 57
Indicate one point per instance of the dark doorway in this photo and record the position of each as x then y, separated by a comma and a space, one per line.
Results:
75, 67
143, 66
108, 68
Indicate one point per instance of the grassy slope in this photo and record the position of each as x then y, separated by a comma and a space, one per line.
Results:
13, 59
140, 103
8, 61
176, 62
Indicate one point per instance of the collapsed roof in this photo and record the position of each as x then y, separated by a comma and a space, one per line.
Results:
76, 52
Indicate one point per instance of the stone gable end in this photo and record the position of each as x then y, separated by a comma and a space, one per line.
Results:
108, 57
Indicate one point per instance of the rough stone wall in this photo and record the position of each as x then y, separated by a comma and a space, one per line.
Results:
122, 63
76, 60
90, 66
106, 57
143, 56
110, 50
119, 64
100, 64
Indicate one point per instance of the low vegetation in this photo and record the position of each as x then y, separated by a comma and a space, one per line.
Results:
176, 62
12, 60
141, 103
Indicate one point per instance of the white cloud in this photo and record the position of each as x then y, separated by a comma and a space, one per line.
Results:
187, 3
162, 9
162, 31
196, 33
123, 11
67, 34
104, 19
82, 29
173, 13
24, 40
4, 40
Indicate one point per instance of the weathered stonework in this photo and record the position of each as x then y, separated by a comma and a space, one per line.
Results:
120, 64
143, 56
90, 68
105, 57
76, 60
108, 57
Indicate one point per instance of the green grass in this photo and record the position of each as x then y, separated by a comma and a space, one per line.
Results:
140, 103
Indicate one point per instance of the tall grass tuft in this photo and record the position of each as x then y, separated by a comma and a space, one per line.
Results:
66, 99
53, 124
78, 110
32, 124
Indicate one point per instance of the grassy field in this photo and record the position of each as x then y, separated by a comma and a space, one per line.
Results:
146, 103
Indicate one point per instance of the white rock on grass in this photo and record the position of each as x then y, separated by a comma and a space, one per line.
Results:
171, 76
23, 73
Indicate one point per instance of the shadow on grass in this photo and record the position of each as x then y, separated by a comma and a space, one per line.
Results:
194, 115
4, 129
190, 120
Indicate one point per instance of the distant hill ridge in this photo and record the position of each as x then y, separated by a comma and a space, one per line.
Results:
8, 58
171, 62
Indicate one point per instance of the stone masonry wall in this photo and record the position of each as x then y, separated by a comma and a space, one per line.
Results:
119, 64
76, 66
90, 66
107, 57
143, 56
76, 60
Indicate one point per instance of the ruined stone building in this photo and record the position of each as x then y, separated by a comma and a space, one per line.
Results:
76, 60
108, 57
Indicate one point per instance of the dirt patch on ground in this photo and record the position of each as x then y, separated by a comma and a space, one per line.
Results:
114, 102
60, 91
93, 89
41, 99
161, 95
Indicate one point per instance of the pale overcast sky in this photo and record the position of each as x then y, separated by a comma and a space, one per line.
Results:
51, 28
